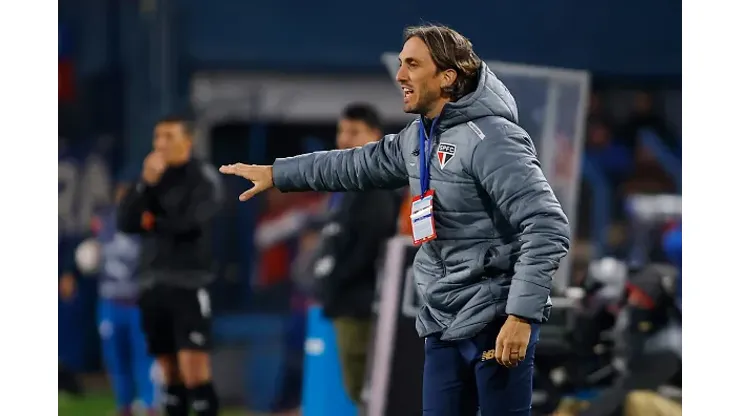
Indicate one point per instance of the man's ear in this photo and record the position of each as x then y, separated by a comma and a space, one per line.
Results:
448, 78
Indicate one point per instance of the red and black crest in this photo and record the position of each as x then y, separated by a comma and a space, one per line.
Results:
445, 153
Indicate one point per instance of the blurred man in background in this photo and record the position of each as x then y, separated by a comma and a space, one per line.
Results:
172, 207
351, 241
113, 257
646, 116
130, 367
491, 231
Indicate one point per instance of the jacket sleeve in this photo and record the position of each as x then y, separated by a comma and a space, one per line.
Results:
203, 202
507, 167
378, 165
133, 205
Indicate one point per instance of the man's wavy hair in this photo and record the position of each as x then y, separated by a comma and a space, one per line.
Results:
449, 50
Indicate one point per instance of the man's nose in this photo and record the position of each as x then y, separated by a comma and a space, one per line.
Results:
402, 74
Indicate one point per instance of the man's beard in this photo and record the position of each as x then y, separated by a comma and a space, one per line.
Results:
427, 101
424, 104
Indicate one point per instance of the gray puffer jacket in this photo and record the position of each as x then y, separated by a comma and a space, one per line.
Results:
500, 230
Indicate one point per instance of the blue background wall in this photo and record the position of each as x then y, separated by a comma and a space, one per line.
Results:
632, 37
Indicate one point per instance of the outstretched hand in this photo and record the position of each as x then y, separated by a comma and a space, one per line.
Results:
259, 175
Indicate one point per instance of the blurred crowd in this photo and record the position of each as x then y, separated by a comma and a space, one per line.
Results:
632, 150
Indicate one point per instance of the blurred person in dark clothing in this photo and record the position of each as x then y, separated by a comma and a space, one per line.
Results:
648, 344
596, 110
645, 115
648, 175
172, 207
612, 156
351, 242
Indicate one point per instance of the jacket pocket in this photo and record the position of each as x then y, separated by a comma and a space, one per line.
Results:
496, 260
495, 266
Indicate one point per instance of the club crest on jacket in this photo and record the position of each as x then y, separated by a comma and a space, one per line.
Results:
445, 153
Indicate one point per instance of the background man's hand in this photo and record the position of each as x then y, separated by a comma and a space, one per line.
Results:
154, 167
67, 286
512, 341
147, 221
260, 176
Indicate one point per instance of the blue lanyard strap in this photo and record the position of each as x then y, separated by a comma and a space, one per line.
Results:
425, 152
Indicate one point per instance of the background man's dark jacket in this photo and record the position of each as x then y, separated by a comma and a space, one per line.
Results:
177, 251
352, 241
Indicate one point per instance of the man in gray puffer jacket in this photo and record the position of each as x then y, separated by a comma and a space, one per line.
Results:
492, 233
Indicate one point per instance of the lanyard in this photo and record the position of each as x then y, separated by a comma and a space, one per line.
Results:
425, 152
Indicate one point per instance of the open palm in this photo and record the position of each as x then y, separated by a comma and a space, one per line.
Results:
259, 175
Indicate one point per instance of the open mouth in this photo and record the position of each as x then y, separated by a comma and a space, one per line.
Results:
406, 93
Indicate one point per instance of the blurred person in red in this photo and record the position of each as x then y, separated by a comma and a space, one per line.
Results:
172, 207
491, 231
350, 245
279, 224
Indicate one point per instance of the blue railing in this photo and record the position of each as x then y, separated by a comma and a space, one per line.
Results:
667, 159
